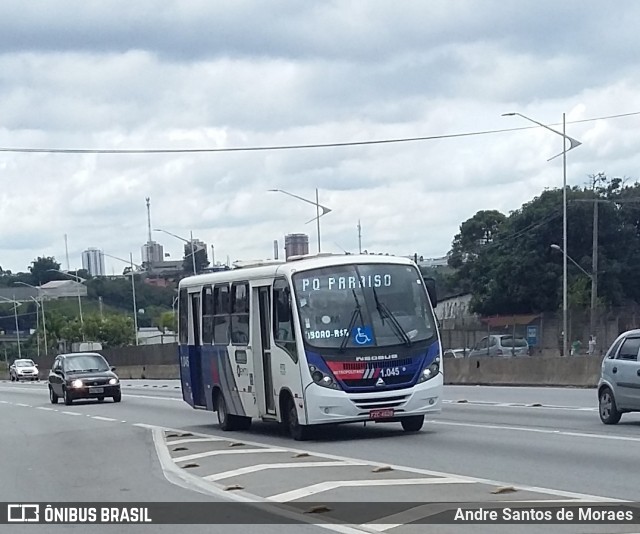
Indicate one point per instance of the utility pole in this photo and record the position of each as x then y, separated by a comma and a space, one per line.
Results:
594, 272
359, 237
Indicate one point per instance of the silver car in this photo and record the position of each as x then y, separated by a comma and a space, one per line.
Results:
501, 346
619, 385
23, 370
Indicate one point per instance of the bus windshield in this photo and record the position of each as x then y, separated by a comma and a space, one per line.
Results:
367, 305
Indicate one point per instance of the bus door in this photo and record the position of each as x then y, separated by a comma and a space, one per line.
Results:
195, 354
262, 350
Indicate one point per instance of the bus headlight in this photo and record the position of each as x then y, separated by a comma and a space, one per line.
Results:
429, 372
321, 379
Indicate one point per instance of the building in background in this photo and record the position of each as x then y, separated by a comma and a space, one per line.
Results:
152, 252
296, 245
93, 261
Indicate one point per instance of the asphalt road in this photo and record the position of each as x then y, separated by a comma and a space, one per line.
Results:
547, 444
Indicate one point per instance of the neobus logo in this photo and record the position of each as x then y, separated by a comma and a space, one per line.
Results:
376, 358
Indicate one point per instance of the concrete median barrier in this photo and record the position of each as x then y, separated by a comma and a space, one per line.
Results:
580, 371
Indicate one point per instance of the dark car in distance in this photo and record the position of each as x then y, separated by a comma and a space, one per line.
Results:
83, 375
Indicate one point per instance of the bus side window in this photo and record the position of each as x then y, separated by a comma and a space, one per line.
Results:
207, 315
183, 310
221, 318
240, 313
283, 328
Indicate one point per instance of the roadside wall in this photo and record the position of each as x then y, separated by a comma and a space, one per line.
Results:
161, 362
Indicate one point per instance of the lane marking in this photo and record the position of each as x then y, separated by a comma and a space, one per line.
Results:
263, 467
71, 413
4, 402
45, 408
180, 477
321, 487
519, 405
396, 467
24, 405
172, 399
568, 433
100, 418
194, 440
225, 452
167, 398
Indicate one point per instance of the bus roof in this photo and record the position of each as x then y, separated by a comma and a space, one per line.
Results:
272, 269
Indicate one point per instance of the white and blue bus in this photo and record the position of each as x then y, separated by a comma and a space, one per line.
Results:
312, 341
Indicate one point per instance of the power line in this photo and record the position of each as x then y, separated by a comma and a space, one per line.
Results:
291, 147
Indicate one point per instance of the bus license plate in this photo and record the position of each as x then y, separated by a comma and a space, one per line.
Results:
381, 414
96, 390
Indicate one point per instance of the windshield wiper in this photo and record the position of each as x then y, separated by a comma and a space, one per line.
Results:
395, 324
356, 311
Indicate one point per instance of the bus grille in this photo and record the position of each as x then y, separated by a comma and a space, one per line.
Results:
382, 364
380, 402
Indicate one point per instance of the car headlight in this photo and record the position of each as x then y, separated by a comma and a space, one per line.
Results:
429, 372
322, 379
113, 381
77, 383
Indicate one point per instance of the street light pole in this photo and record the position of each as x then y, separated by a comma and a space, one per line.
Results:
193, 254
318, 218
15, 316
37, 323
317, 204
80, 280
133, 288
193, 249
573, 143
133, 293
44, 319
593, 277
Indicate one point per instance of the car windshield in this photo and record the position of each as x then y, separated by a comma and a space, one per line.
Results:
517, 342
24, 363
366, 305
85, 363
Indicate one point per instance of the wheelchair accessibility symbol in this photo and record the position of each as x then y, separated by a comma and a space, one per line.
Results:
362, 335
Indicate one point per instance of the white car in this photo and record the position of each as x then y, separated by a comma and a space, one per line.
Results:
23, 370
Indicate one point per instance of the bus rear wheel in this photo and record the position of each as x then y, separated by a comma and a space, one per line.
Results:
228, 421
412, 423
224, 419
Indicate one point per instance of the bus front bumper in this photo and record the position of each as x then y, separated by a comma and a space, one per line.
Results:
325, 406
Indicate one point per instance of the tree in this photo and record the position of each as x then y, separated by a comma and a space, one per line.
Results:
475, 233
510, 266
168, 321
112, 330
42, 268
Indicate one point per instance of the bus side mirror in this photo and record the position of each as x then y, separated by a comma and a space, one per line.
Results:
431, 290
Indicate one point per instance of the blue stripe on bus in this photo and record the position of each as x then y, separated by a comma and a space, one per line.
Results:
204, 368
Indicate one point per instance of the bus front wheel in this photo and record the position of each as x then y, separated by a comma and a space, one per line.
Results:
412, 423
297, 431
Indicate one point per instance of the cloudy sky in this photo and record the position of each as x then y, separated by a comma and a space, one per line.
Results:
202, 74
